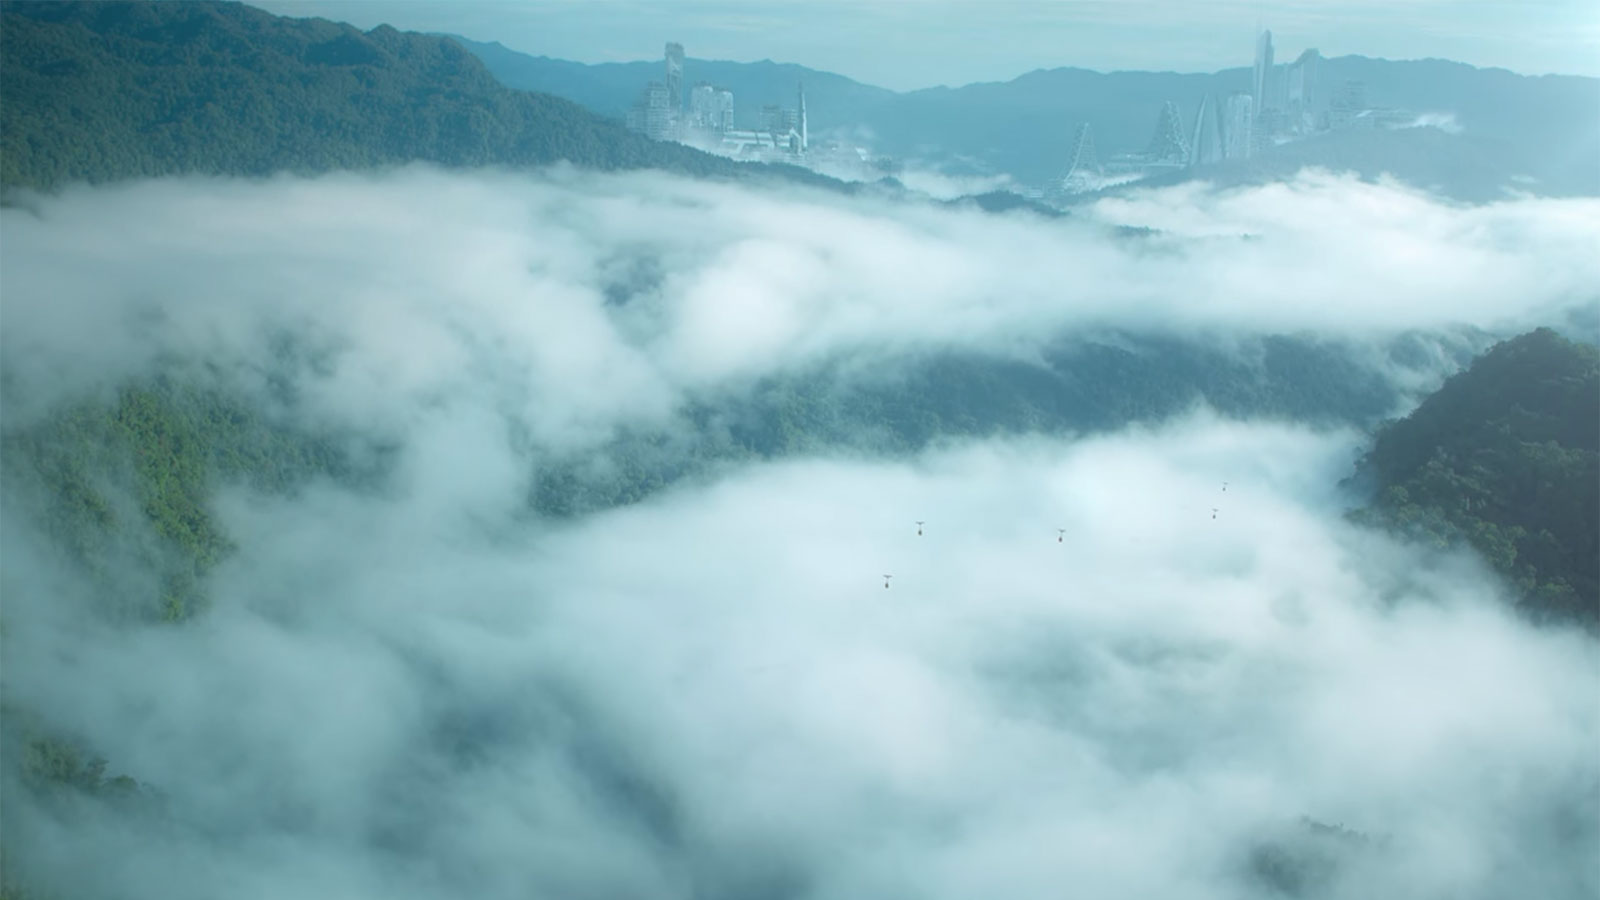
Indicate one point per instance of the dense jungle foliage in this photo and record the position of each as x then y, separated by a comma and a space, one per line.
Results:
99, 92
1505, 457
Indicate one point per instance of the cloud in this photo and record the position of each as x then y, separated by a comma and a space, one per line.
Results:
715, 688
416, 691
586, 300
1444, 121
941, 186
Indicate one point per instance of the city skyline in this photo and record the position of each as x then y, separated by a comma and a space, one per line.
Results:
1286, 102
953, 43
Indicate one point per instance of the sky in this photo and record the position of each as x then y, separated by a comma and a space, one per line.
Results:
412, 689
910, 44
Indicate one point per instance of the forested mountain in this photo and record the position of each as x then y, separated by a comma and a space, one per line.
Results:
1506, 457
105, 91
1504, 124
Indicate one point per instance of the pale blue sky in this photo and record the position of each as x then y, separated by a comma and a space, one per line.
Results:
905, 44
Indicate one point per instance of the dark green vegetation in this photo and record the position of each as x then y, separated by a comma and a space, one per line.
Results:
105, 91
1510, 124
50, 763
65, 781
127, 486
1506, 458
1310, 859
123, 488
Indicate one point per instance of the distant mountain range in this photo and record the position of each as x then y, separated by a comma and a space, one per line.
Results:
1495, 124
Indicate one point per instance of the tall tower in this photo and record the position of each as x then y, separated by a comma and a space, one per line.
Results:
803, 139
675, 76
1169, 145
1206, 146
1237, 120
1261, 82
1083, 169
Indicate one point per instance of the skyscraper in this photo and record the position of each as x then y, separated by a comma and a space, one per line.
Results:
803, 137
652, 113
674, 79
703, 108
1261, 83
1237, 121
1305, 99
1083, 169
1206, 145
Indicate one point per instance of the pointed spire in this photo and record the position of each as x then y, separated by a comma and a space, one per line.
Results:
804, 138
1168, 144
1083, 168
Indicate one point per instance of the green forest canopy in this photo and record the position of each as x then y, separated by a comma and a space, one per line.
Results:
99, 92
1505, 457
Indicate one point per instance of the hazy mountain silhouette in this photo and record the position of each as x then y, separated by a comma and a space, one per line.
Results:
1496, 125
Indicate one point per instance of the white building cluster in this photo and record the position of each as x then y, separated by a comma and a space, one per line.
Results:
707, 121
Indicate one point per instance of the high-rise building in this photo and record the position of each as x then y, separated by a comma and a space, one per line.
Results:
662, 119
652, 114
703, 112
1083, 168
724, 109
1261, 82
674, 79
1206, 145
657, 112
1305, 101
803, 136
1237, 120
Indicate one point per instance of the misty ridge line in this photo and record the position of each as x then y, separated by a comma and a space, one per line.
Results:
526, 290
792, 70
671, 325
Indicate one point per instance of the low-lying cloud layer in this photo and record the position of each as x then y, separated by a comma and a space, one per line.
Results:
714, 695
416, 692
592, 301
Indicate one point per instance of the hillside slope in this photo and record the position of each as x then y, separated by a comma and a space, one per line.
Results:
104, 91
1505, 457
